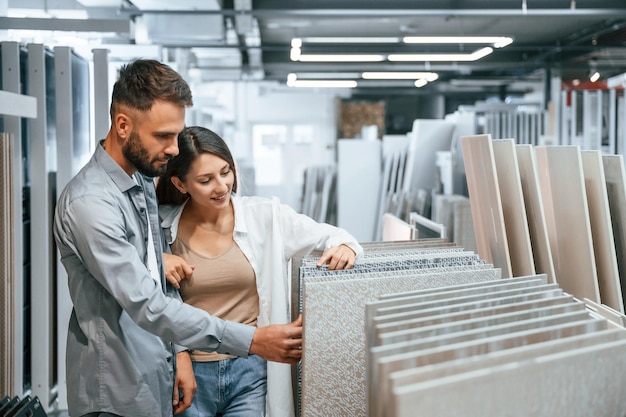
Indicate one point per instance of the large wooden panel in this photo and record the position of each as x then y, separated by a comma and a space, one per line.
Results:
513, 208
485, 202
602, 231
535, 215
615, 177
567, 217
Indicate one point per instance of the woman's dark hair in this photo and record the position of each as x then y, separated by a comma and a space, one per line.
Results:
193, 141
144, 81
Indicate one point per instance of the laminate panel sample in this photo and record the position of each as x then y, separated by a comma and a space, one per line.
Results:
485, 202
505, 337
464, 234
409, 333
577, 383
602, 231
615, 176
333, 378
507, 356
513, 208
448, 321
542, 254
567, 217
463, 299
472, 305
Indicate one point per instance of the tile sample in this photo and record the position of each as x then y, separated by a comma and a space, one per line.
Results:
333, 375
567, 217
535, 215
602, 231
485, 202
615, 176
513, 208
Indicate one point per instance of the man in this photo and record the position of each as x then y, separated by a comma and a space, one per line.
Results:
120, 357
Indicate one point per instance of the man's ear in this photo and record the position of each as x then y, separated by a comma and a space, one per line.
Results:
179, 185
123, 124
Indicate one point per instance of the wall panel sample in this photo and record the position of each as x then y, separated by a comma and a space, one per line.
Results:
333, 375
7, 260
587, 382
535, 215
602, 231
567, 217
485, 202
615, 176
513, 208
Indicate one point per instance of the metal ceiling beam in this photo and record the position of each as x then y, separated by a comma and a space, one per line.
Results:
338, 13
68, 25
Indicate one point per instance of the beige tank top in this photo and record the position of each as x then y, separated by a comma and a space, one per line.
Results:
224, 286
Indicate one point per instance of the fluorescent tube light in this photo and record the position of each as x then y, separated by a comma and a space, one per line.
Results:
594, 77
341, 58
323, 83
360, 39
474, 56
428, 76
420, 83
292, 81
496, 41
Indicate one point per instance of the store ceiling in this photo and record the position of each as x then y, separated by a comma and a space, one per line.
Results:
251, 39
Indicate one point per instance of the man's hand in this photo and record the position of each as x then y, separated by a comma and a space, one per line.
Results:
185, 382
338, 257
176, 269
279, 342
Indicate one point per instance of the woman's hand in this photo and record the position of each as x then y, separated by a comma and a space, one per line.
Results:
176, 269
338, 257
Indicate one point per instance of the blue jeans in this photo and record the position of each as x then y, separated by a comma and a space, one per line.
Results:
232, 387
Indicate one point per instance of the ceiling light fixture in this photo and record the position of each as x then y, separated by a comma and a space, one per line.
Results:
474, 56
420, 83
495, 41
292, 81
428, 76
341, 58
595, 76
326, 39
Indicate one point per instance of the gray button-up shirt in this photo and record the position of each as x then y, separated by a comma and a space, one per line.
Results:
120, 357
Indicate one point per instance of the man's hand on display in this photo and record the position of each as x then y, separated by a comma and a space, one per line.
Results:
279, 342
185, 384
176, 269
338, 257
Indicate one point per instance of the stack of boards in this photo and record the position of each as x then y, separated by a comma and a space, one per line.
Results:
427, 328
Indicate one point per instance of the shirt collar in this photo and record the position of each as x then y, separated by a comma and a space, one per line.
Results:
121, 179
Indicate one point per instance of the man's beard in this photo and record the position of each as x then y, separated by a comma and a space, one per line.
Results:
137, 155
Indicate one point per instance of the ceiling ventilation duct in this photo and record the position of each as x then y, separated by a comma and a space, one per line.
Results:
180, 28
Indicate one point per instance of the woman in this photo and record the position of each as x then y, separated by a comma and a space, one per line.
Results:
239, 247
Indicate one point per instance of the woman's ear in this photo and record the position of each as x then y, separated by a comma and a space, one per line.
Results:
179, 185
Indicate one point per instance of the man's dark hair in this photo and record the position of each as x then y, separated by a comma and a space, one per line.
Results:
144, 81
